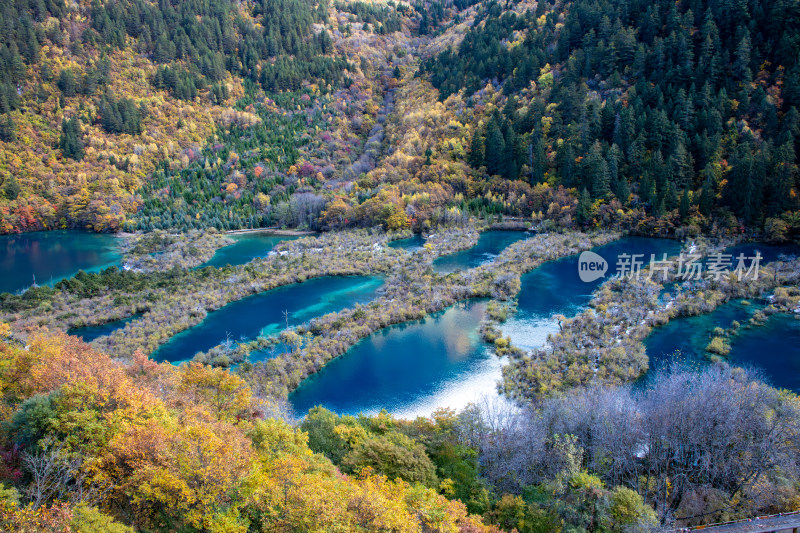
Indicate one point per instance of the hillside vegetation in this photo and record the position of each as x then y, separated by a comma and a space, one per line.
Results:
686, 112
662, 118
93, 446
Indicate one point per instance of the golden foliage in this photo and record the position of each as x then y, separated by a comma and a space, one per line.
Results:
173, 451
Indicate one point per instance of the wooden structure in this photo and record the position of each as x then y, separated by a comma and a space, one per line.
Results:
781, 523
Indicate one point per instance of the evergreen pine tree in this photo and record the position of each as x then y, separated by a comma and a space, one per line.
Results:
476, 155
685, 205
11, 188
494, 148
706, 202
71, 140
8, 130
583, 212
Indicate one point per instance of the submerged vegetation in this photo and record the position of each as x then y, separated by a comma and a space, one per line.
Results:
604, 343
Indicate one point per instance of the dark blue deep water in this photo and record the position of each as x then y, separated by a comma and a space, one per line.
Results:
489, 245
90, 333
408, 369
769, 252
555, 288
262, 314
773, 348
52, 256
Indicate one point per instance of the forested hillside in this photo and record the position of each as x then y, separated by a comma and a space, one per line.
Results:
104, 104
93, 445
666, 117
164, 448
682, 109
367, 121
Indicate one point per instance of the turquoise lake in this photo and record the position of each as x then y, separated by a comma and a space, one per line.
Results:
262, 314
555, 288
408, 369
441, 361
52, 256
247, 247
769, 252
412, 368
490, 244
772, 348
411, 244
90, 333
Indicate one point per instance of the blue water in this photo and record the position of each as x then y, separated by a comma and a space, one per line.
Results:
555, 288
247, 247
408, 369
769, 252
412, 244
52, 256
489, 245
773, 348
90, 333
262, 314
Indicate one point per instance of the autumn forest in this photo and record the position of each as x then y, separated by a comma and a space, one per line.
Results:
364, 168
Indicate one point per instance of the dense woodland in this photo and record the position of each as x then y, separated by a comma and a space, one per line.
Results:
691, 106
667, 117
106, 447
93, 90
570, 460
94, 445
178, 119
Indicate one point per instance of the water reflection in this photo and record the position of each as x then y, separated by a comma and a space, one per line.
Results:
409, 369
247, 247
490, 244
49, 256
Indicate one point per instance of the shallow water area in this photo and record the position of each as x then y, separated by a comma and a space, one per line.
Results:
263, 313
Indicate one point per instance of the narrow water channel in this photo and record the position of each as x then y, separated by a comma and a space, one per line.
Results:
263, 314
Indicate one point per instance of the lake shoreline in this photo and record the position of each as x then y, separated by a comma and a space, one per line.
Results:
271, 231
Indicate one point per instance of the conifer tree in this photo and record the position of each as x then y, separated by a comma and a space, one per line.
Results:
71, 140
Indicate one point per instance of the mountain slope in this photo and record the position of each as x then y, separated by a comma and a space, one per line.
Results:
690, 106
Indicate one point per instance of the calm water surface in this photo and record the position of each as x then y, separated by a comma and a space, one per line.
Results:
773, 348
247, 247
409, 369
262, 314
769, 252
489, 245
90, 333
411, 244
555, 288
52, 256
441, 361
